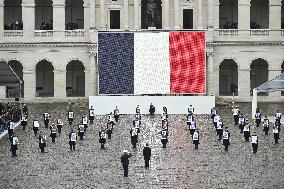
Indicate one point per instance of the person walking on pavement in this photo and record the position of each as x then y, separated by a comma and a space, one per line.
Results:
125, 161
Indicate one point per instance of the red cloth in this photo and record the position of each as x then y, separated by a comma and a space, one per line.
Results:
187, 62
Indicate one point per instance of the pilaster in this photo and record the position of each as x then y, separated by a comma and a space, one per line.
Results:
28, 16
59, 84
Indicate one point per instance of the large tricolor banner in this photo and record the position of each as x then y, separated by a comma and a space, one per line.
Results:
152, 63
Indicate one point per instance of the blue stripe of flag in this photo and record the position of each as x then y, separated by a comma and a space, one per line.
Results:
116, 63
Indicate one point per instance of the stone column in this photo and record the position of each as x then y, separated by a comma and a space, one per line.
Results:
210, 13
166, 13
244, 16
92, 14
125, 14
93, 74
211, 80
59, 17
275, 16
216, 13
87, 83
2, 92
199, 14
28, 16
176, 15
136, 14
59, 84
86, 15
29, 77
102, 15
1, 18
244, 82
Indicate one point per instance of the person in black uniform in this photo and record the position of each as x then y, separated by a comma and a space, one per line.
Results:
72, 140
257, 117
14, 145
266, 125
81, 131
24, 121
53, 131
70, 117
125, 162
91, 115
134, 137
138, 110
247, 131
152, 109
46, 119
276, 133
25, 110
226, 138
109, 129
102, 136
35, 126
59, 125
147, 155
116, 114
42, 142
164, 137
85, 121
254, 142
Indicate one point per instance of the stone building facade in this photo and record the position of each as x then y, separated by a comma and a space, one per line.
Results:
52, 44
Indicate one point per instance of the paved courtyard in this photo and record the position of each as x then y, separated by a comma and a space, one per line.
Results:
177, 166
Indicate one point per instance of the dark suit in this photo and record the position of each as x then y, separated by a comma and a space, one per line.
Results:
147, 156
125, 163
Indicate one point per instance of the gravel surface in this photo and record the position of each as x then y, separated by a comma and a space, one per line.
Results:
177, 166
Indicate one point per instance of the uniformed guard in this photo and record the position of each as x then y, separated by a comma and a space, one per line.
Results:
138, 110
81, 131
42, 142
165, 110
220, 129
70, 117
35, 126
59, 125
254, 142
46, 119
11, 126
164, 137
136, 125
25, 110
53, 131
278, 118
102, 136
190, 109
236, 113
138, 116
85, 121
91, 115
147, 155
110, 117
134, 137
247, 131
164, 117
266, 125
72, 140
213, 113
24, 121
226, 138
189, 120
109, 129
257, 117
14, 145
276, 133
242, 122
116, 114
152, 109
215, 121
195, 138
125, 162
192, 128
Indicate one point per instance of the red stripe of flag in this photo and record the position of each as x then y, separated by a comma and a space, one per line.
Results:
187, 62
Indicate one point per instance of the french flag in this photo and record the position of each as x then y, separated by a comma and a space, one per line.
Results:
152, 63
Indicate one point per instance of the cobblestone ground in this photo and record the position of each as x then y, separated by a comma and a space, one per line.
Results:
177, 166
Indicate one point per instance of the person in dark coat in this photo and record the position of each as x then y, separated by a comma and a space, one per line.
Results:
24, 121
254, 142
147, 155
257, 117
85, 121
42, 142
14, 145
35, 126
125, 162
220, 129
195, 139
91, 115
102, 138
266, 125
25, 110
46, 119
213, 113
164, 137
276, 133
242, 122
72, 140
59, 124
70, 117
247, 132
226, 138
152, 109
53, 131
109, 129
134, 136
236, 113
116, 114
81, 131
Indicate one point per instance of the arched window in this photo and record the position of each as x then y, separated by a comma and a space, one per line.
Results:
228, 78
75, 79
258, 74
16, 91
44, 79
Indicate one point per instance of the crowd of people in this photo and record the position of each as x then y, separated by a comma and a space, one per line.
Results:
12, 113
9, 112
